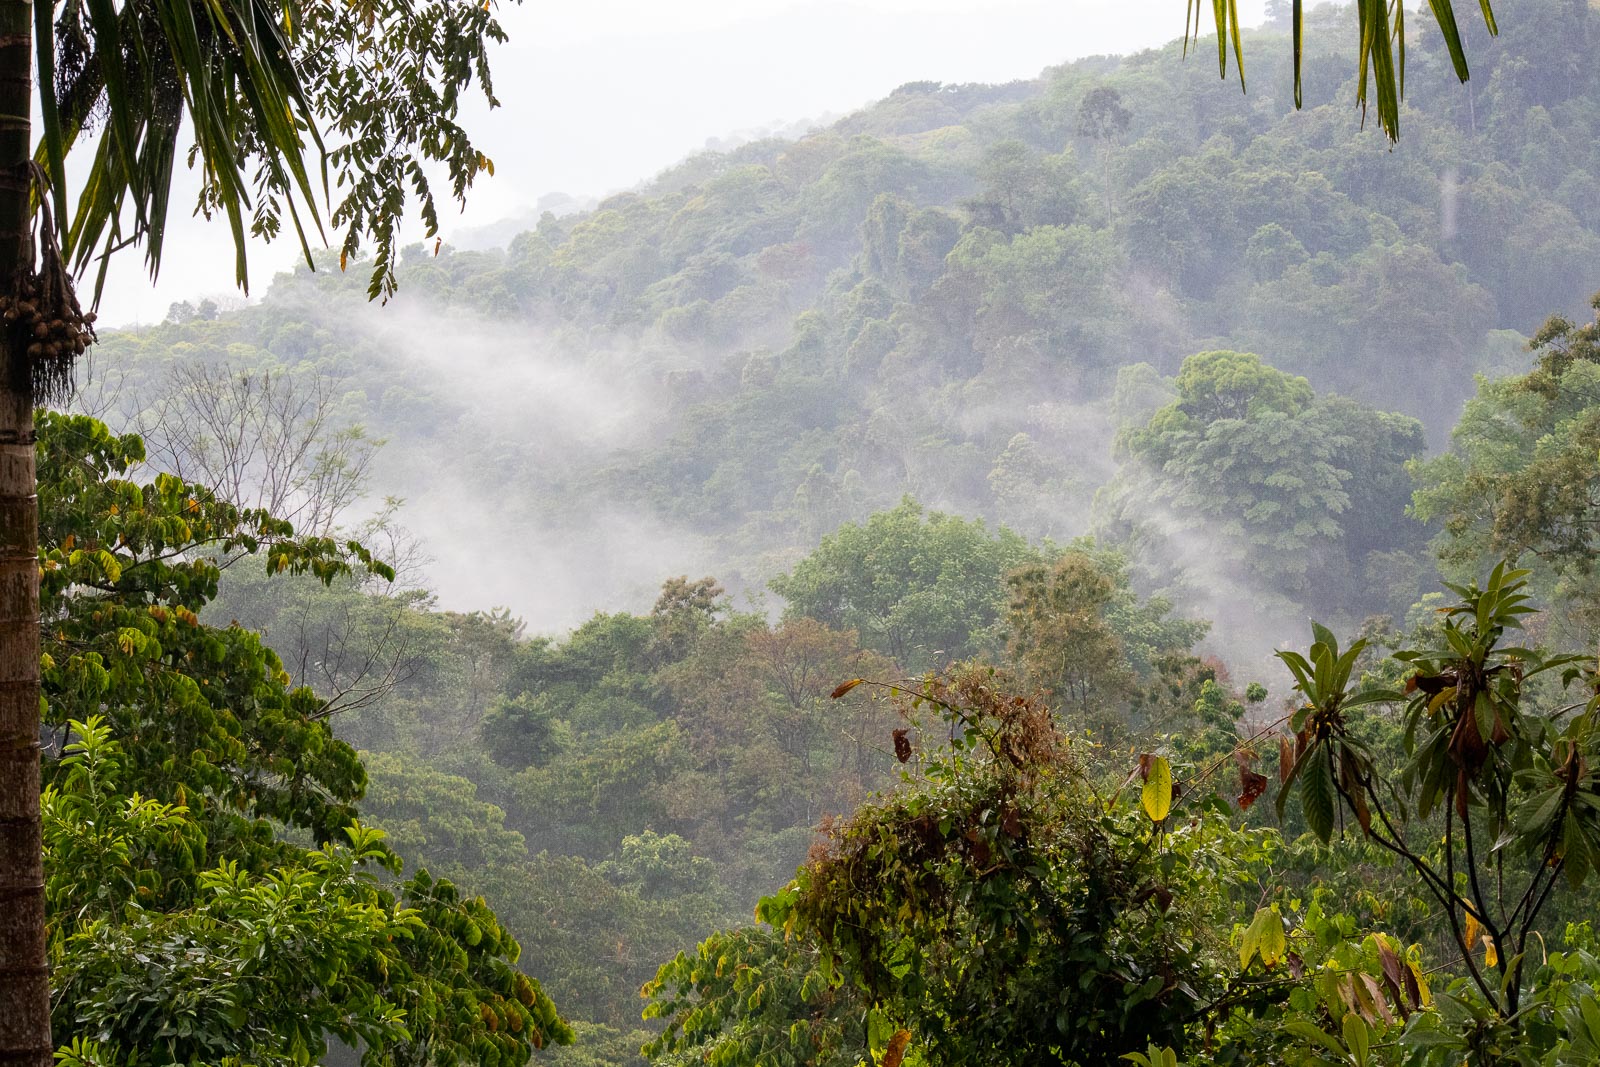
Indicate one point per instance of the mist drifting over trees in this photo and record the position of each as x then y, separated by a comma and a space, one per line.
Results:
890, 527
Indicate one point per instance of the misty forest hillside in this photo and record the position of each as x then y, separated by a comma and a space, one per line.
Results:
1111, 377
942, 296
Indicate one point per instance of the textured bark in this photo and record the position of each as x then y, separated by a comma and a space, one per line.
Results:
24, 978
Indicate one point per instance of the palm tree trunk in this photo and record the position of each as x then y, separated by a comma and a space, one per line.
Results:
24, 976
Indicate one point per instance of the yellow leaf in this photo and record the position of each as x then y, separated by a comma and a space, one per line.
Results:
846, 687
1273, 942
1491, 957
1265, 936
1157, 794
1422, 983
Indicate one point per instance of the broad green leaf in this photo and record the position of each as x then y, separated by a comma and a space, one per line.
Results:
1317, 797
1357, 1037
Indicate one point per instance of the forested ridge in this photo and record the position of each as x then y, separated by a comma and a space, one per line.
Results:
759, 345
1013, 428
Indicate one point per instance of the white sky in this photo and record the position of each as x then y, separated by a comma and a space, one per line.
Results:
600, 94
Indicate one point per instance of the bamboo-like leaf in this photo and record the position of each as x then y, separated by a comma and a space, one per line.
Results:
1444, 13
1298, 667
53, 147
1398, 17
1219, 9
1238, 40
1321, 635
105, 20
1494, 29
1371, 696
1381, 48
1299, 50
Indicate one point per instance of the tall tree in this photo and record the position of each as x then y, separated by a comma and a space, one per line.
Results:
253, 82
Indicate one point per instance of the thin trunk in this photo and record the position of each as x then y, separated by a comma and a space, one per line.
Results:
24, 977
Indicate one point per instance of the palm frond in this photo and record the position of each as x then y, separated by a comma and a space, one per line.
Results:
257, 81
1381, 60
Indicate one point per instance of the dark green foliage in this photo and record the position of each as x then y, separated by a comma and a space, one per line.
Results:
1521, 477
190, 920
1278, 484
921, 589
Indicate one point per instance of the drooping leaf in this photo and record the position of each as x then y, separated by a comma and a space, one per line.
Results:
1317, 797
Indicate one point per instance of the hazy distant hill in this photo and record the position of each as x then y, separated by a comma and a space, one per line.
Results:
709, 373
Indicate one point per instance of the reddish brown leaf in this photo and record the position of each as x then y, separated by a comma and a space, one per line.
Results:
1432, 684
1394, 974
845, 688
896, 1050
1413, 991
1350, 779
1347, 993
1375, 997
981, 852
1285, 760
902, 746
1251, 786
1297, 966
1011, 823
1363, 813
1158, 893
1144, 766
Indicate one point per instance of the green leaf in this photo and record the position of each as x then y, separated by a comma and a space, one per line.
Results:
1317, 797
1309, 1031
1323, 636
1357, 1037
